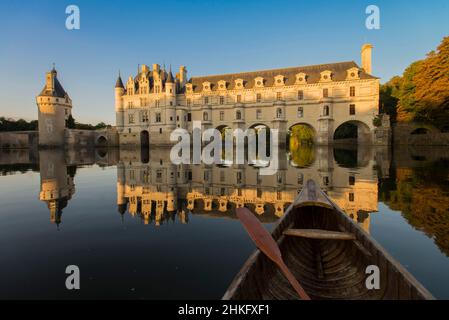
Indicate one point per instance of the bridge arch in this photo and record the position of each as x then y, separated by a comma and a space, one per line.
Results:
102, 141
302, 132
144, 139
353, 131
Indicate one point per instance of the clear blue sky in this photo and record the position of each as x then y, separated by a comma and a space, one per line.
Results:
209, 37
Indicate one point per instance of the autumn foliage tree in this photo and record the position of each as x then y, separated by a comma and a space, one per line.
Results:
422, 92
432, 86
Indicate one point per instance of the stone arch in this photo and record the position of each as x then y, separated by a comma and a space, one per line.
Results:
300, 144
420, 131
353, 131
260, 125
102, 141
144, 139
306, 125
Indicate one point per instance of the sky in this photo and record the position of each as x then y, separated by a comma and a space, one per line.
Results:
208, 37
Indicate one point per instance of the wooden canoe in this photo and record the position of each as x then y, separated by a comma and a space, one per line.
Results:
328, 253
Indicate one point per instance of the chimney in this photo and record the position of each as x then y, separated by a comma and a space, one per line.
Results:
367, 57
182, 75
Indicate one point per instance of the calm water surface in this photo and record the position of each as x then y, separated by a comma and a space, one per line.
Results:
139, 227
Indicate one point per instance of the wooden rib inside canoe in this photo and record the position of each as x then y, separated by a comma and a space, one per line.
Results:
328, 253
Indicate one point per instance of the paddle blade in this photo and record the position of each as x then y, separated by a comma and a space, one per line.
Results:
262, 238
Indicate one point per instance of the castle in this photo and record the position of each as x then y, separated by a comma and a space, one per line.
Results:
54, 109
153, 103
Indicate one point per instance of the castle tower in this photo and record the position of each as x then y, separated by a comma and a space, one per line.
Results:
54, 108
57, 185
119, 111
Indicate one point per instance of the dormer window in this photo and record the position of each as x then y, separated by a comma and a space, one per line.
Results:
326, 76
279, 80
239, 83
222, 85
352, 74
206, 86
301, 78
259, 82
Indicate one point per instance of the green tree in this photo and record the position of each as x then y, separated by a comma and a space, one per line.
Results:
70, 122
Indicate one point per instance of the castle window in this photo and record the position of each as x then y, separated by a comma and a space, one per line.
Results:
145, 116
221, 100
221, 115
351, 197
258, 114
300, 95
160, 130
351, 180
352, 91
279, 113
326, 111
158, 117
205, 116
300, 112
325, 92
238, 115
300, 179
352, 109
239, 98
189, 117
131, 118
278, 96
259, 97
189, 102
157, 103
206, 100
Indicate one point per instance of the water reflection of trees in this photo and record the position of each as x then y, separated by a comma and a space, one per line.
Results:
422, 195
302, 156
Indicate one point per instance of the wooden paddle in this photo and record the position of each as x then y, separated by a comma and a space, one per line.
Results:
265, 242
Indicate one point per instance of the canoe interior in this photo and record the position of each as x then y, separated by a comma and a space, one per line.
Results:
327, 269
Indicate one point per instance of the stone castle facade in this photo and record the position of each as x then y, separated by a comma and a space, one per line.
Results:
153, 103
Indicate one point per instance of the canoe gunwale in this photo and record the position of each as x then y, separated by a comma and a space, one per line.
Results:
363, 238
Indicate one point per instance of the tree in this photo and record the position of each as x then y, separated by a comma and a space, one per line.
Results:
406, 108
421, 94
432, 86
70, 122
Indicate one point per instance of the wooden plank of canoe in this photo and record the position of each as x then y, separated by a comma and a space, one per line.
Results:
311, 195
319, 234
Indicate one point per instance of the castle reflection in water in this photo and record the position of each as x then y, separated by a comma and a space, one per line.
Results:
151, 187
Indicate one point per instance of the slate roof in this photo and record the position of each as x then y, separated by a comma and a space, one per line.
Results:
59, 91
119, 83
339, 73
